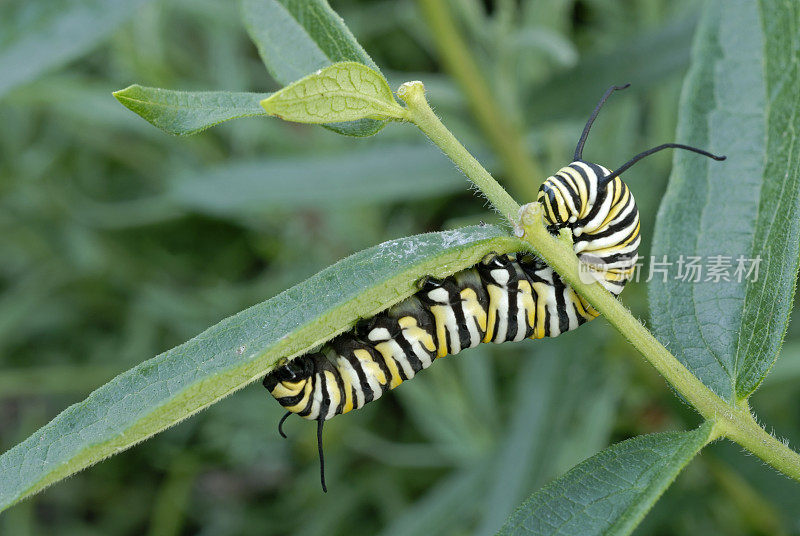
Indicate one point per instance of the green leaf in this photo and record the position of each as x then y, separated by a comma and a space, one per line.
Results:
610, 492
186, 112
741, 98
298, 37
37, 36
180, 382
346, 91
379, 174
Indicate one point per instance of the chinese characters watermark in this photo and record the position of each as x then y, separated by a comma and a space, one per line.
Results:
684, 268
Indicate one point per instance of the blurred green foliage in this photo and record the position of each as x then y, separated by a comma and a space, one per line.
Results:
111, 256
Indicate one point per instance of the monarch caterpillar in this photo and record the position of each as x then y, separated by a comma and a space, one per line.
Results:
502, 298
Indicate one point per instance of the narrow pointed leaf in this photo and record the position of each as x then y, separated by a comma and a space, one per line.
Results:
187, 112
741, 98
346, 91
180, 382
298, 37
611, 492
36, 36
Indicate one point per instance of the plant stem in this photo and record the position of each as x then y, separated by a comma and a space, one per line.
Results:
420, 113
732, 421
502, 131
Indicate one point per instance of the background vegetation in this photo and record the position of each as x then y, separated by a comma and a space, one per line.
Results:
119, 241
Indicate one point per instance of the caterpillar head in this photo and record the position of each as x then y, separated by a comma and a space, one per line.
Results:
291, 371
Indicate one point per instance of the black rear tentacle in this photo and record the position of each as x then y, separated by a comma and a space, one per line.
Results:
320, 424
280, 424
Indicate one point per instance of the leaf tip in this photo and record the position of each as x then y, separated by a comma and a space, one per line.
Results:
124, 92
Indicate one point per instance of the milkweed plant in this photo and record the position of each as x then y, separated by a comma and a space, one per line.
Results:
713, 339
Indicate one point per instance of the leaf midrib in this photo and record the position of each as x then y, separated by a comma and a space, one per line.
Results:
343, 93
180, 107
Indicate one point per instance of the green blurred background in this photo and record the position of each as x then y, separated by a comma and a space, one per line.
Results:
118, 241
